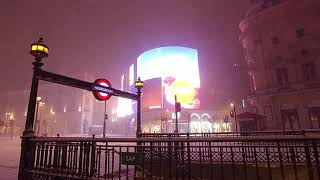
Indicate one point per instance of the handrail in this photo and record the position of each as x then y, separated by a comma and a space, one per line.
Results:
241, 132
180, 139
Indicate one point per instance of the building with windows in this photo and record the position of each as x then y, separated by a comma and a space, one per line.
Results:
281, 41
63, 109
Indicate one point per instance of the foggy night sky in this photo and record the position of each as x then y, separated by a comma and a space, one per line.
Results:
104, 37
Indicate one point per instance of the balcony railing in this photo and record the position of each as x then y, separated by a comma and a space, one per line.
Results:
176, 157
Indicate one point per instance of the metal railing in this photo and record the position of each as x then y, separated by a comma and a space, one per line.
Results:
232, 134
250, 157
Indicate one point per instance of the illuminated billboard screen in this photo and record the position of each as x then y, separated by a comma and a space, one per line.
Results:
179, 72
124, 107
152, 93
131, 75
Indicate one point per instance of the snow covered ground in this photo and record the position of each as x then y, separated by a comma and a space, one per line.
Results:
9, 157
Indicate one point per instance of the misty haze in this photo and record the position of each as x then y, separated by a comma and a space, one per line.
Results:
171, 89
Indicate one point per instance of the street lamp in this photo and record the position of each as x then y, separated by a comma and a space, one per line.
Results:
139, 85
41, 106
52, 121
8, 115
234, 115
40, 51
39, 99
11, 118
37, 126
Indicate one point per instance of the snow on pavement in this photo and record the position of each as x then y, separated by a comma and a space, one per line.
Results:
9, 157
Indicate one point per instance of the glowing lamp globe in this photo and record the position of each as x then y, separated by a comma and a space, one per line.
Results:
39, 98
138, 84
39, 50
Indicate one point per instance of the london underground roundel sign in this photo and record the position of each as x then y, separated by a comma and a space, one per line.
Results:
100, 95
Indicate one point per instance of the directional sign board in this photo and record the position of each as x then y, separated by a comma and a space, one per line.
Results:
130, 158
101, 89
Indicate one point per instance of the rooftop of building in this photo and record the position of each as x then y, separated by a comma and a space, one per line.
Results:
261, 5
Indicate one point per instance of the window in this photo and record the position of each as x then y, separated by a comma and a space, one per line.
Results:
253, 83
275, 40
250, 66
300, 33
314, 117
282, 76
308, 71
246, 52
268, 112
290, 119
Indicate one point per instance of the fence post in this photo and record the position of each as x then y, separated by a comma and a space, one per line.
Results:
64, 150
93, 158
27, 157
189, 156
280, 159
293, 159
316, 156
308, 158
170, 157
80, 158
176, 157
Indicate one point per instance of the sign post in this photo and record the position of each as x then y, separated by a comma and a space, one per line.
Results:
177, 108
101, 96
105, 119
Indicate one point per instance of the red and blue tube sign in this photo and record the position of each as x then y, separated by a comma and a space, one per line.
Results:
101, 89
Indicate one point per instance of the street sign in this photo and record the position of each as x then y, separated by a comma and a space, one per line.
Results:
97, 88
130, 158
178, 106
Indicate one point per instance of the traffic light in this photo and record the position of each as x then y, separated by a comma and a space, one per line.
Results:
178, 107
232, 114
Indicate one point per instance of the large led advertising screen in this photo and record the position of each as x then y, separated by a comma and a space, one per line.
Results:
152, 93
179, 72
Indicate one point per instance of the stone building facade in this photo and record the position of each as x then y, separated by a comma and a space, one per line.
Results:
65, 110
281, 41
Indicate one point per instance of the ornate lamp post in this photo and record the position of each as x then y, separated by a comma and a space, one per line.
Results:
139, 85
40, 51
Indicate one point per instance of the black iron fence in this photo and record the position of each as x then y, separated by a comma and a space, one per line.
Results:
236, 158
231, 134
